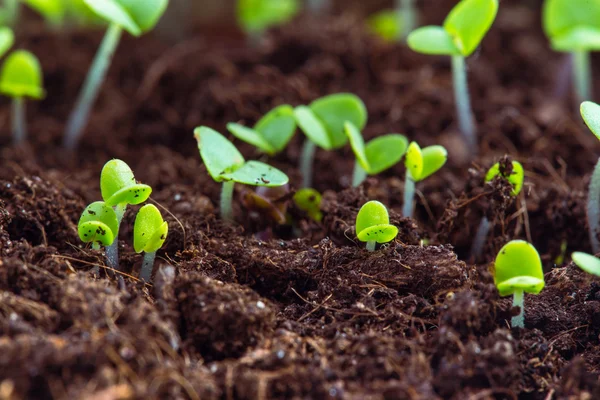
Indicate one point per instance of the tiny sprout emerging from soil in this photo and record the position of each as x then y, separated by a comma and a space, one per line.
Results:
590, 112
373, 225
309, 201
21, 77
420, 164
256, 16
98, 225
518, 270
463, 30
323, 124
227, 165
149, 234
394, 25
137, 18
376, 156
587, 262
272, 133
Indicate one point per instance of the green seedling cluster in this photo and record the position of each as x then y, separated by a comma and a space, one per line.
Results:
590, 112
309, 201
373, 225
256, 16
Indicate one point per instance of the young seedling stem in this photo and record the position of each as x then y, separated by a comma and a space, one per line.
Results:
18, 120
147, 266
227, 200
407, 16
409, 194
582, 75
518, 321
306, 162
593, 206
359, 174
371, 245
463, 102
480, 237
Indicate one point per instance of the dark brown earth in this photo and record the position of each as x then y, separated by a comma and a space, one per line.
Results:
252, 310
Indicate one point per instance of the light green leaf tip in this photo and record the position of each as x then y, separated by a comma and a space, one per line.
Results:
259, 15
118, 185
135, 16
515, 178
357, 144
469, 21
422, 163
334, 110
313, 127
518, 267
309, 201
385, 151
7, 39
373, 223
432, 40
587, 262
98, 223
386, 24
251, 136
149, 230
572, 24
21, 76
590, 112
52, 10
256, 173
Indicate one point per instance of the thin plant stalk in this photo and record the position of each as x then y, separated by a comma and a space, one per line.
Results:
18, 120
518, 321
592, 208
359, 175
80, 114
147, 266
112, 251
371, 245
582, 75
409, 194
306, 162
407, 15
463, 102
96, 269
480, 237
227, 200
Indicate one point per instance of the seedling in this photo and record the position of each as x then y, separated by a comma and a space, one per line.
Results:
98, 225
272, 133
309, 201
256, 16
394, 25
591, 116
420, 164
323, 124
518, 270
515, 178
137, 18
373, 225
376, 156
227, 165
573, 26
587, 262
20, 78
149, 234
463, 30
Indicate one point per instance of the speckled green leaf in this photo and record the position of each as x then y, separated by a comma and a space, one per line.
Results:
118, 185
373, 223
414, 161
518, 266
98, 223
309, 201
220, 156
21, 76
149, 230
379, 233
256, 173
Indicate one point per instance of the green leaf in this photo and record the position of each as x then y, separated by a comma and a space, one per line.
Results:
21, 76
312, 127
434, 158
251, 136
98, 223
259, 15
118, 185
515, 178
309, 201
370, 214
587, 262
469, 21
379, 233
52, 10
571, 23
149, 230
414, 161
115, 13
334, 110
432, 40
7, 38
518, 259
386, 24
219, 155
385, 151
256, 173
358, 145
135, 16
590, 112
583, 38
277, 127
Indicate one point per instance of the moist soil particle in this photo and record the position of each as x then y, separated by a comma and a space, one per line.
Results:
258, 310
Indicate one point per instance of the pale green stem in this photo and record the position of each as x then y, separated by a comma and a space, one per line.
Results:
96, 269
359, 174
147, 265
371, 245
18, 120
518, 321
112, 251
96, 75
592, 208
480, 238
582, 76
409, 194
463, 102
227, 200
306, 162
408, 16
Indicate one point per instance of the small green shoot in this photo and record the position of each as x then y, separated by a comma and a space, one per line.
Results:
420, 164
373, 225
394, 25
20, 78
227, 165
256, 16
463, 30
587, 262
590, 112
272, 133
98, 225
376, 156
518, 270
309, 201
149, 233
137, 18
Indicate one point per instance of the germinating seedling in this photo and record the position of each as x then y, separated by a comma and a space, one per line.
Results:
227, 165
396, 24
515, 178
20, 78
272, 133
256, 16
323, 124
420, 164
573, 26
309, 201
373, 225
376, 156
591, 116
137, 18
98, 225
518, 270
463, 30
149, 234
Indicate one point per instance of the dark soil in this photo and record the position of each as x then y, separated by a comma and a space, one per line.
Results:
253, 310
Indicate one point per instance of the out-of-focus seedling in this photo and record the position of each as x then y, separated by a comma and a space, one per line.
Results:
20, 78
323, 124
518, 270
515, 177
256, 16
373, 225
272, 133
309, 201
376, 156
98, 225
268, 201
464, 28
590, 112
587, 262
227, 165
420, 164
9, 12
149, 233
573, 26
137, 18
394, 25
61, 13
7, 39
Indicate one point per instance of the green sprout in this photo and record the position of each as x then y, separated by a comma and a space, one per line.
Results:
376, 156
98, 225
323, 124
518, 270
573, 26
137, 18
309, 201
149, 234
396, 24
420, 164
256, 16
272, 133
21, 77
227, 165
590, 112
587, 262
373, 225
463, 30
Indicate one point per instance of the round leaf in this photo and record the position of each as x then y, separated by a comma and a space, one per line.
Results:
379, 233
468, 22
309, 201
590, 112
585, 38
21, 76
135, 16
370, 214
385, 151
52, 10
386, 24
7, 38
562, 17
312, 127
358, 144
118, 185
149, 230
251, 136
256, 173
518, 259
515, 178
259, 15
414, 161
528, 284
587, 262
278, 126
334, 110
432, 40
219, 155
98, 223
434, 158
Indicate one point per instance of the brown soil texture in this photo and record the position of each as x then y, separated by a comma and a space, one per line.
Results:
252, 310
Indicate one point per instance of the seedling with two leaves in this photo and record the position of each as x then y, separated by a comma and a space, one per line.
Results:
373, 225
149, 234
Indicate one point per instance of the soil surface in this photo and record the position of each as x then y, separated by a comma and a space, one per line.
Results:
256, 310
